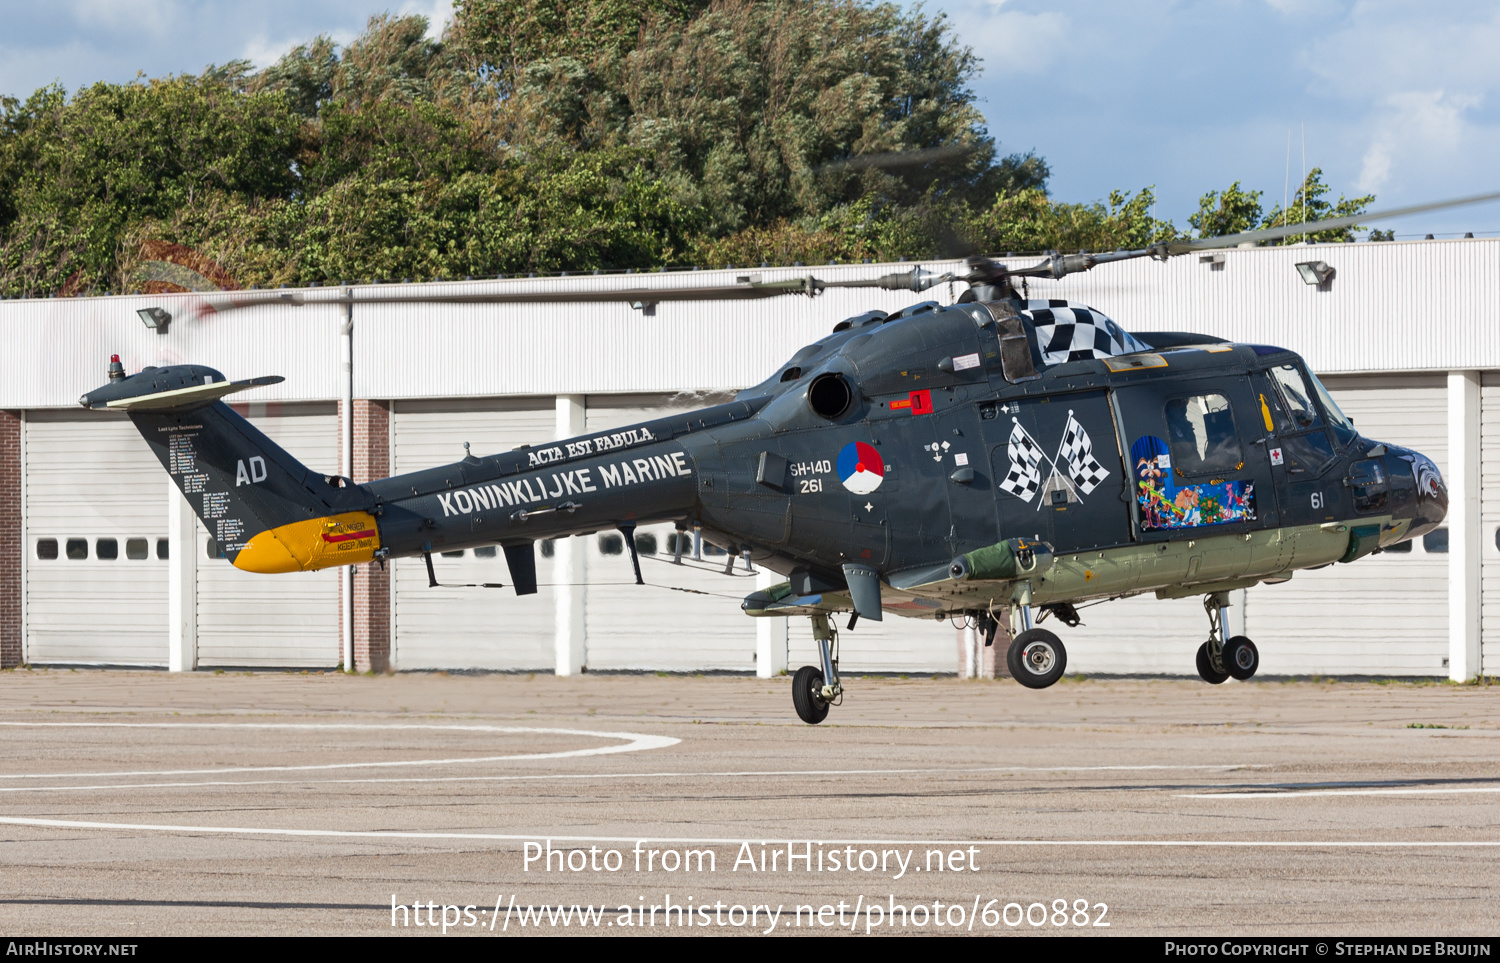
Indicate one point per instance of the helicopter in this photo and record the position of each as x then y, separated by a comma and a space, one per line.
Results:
1002, 459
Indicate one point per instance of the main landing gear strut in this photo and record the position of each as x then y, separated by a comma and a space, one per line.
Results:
815, 689
1219, 659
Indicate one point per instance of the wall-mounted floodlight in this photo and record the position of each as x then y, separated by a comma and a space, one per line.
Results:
1315, 272
157, 319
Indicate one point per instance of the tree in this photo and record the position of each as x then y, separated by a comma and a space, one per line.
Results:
1309, 204
1028, 221
1231, 212
536, 135
78, 172
304, 74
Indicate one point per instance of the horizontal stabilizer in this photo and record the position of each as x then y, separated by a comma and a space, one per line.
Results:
193, 395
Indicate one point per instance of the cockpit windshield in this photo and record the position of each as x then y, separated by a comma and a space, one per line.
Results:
1335, 414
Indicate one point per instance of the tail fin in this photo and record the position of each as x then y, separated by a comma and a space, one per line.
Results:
268, 511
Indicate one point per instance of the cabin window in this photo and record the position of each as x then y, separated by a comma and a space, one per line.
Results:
1202, 435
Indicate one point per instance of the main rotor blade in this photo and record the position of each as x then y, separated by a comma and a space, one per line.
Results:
1314, 227
741, 292
903, 158
1057, 266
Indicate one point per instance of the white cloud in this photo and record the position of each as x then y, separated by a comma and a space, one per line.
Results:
1306, 8
155, 17
1009, 41
1417, 131
439, 14
1387, 48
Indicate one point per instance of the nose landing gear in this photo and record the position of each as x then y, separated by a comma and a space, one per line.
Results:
1218, 659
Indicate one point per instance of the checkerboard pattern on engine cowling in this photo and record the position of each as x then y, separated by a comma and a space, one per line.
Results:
1073, 332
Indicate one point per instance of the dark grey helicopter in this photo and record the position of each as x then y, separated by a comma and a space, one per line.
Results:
984, 460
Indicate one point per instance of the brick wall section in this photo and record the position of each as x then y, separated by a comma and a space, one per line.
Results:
10, 539
992, 658
372, 584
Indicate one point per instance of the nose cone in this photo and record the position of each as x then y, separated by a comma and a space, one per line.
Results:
1417, 489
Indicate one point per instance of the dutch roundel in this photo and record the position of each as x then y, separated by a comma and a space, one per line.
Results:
861, 468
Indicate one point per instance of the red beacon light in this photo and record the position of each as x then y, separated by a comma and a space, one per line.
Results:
116, 370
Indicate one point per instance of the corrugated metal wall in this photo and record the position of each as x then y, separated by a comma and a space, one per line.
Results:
1392, 306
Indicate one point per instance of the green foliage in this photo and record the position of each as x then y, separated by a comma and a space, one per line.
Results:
1028, 221
536, 135
563, 212
539, 135
78, 172
502, 35
1311, 204
305, 74
1231, 212
1236, 210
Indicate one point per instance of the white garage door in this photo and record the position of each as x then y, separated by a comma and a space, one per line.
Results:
96, 528
292, 620
658, 627
1489, 523
1382, 615
444, 628
652, 626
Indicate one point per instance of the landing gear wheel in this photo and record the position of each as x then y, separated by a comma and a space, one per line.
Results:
1206, 667
1037, 658
1241, 659
807, 695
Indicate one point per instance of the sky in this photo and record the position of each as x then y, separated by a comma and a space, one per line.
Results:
1396, 98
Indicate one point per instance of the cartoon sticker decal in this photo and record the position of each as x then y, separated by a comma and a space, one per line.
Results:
1167, 505
860, 468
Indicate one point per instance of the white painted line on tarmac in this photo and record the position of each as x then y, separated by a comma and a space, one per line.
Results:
737, 774
738, 840
634, 742
1303, 793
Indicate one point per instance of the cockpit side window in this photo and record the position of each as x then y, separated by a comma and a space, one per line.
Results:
1202, 435
1298, 398
1304, 442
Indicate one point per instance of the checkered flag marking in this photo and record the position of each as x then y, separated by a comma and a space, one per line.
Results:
1073, 332
1077, 452
1024, 478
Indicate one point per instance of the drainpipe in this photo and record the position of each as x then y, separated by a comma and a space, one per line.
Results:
346, 468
